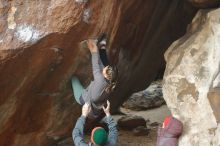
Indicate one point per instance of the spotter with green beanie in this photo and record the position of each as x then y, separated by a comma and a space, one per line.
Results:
99, 137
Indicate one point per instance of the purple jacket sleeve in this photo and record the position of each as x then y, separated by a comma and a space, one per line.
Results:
168, 136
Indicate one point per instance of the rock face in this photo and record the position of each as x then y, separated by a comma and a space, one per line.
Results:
39, 53
205, 3
152, 97
191, 80
141, 131
129, 122
66, 142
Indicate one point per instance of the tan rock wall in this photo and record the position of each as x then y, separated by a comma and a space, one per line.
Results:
193, 67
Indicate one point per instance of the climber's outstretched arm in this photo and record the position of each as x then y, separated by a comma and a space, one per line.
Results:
97, 70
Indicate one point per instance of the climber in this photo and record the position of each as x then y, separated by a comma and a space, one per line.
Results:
99, 136
105, 78
169, 133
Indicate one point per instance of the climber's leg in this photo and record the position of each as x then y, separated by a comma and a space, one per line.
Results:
77, 88
103, 57
101, 43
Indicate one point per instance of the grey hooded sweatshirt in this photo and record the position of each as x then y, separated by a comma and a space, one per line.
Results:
168, 136
93, 92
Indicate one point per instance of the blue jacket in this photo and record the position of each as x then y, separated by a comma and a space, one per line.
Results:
78, 135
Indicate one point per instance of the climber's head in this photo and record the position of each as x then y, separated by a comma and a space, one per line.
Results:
99, 136
110, 73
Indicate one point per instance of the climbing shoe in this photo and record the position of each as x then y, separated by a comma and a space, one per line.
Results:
101, 41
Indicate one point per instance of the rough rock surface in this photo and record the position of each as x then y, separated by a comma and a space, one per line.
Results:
130, 122
39, 53
193, 70
66, 142
141, 130
205, 3
152, 97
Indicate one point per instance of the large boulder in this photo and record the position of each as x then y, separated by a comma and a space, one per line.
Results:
129, 122
192, 80
39, 53
141, 131
149, 98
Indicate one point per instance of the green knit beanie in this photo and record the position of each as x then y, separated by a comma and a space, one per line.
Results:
99, 136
